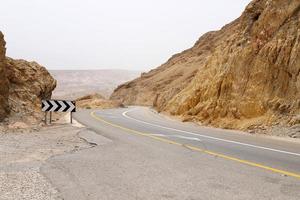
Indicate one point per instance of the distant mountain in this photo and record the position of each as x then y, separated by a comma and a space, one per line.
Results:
243, 76
72, 84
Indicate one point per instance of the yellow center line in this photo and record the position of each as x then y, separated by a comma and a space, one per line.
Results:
253, 164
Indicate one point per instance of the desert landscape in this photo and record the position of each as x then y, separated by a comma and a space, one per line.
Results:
72, 84
219, 120
243, 77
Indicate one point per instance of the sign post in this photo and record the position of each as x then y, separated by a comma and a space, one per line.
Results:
58, 106
50, 117
45, 118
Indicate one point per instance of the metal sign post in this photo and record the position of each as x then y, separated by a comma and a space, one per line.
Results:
50, 117
45, 118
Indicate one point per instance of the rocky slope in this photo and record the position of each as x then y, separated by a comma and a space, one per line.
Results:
22, 86
96, 101
243, 76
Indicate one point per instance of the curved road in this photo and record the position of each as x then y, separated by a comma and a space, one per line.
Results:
263, 152
146, 155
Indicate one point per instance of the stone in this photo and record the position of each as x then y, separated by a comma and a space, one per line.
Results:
18, 125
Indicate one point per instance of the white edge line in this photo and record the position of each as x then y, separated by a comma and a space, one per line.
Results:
209, 137
178, 136
185, 137
158, 135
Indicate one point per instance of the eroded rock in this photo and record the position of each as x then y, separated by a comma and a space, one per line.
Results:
22, 87
244, 75
4, 108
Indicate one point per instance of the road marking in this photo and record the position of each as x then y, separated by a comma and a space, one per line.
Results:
158, 135
210, 137
177, 136
253, 164
186, 138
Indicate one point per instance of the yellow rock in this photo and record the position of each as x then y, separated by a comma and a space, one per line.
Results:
236, 77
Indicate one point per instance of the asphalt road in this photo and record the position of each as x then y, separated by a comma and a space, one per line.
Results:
150, 156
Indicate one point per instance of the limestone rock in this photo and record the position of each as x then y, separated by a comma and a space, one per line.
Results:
244, 75
29, 83
22, 87
4, 109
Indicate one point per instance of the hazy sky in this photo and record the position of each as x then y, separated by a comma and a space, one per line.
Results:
98, 34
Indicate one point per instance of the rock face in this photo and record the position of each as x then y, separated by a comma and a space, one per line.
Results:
4, 108
244, 75
29, 83
22, 86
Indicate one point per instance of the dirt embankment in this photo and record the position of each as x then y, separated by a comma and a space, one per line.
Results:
244, 76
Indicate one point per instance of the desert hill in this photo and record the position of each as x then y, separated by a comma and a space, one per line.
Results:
72, 84
243, 76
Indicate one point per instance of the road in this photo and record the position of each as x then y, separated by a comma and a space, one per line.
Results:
150, 156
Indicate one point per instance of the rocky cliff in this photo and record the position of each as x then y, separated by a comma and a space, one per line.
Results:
22, 86
4, 108
244, 75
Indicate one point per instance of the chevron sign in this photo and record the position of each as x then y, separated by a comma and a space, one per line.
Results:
58, 106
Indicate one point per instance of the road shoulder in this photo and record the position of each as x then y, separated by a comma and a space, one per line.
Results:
23, 154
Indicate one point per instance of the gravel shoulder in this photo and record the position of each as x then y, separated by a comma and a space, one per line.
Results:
22, 155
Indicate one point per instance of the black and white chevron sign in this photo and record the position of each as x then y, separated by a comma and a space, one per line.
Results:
58, 106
